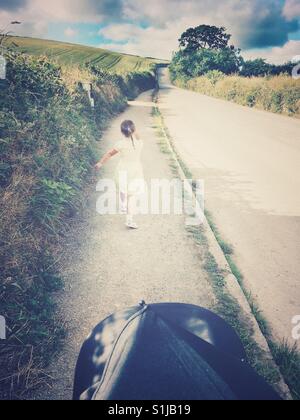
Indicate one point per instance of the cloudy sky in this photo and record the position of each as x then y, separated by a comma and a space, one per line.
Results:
264, 28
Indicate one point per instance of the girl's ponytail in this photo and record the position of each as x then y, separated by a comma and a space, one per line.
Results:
132, 140
128, 129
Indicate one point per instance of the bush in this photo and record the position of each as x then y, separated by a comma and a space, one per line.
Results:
188, 65
214, 76
259, 67
279, 94
130, 84
256, 68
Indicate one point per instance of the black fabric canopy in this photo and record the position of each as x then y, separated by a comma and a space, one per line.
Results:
171, 352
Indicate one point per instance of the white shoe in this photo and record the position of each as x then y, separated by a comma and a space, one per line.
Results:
132, 225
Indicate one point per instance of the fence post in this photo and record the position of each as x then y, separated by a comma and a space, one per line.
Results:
2, 328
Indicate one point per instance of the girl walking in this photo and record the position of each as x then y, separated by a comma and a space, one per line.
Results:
129, 174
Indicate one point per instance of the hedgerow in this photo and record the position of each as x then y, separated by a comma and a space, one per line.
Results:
48, 145
278, 94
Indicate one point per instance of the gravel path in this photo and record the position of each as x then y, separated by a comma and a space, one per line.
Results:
109, 268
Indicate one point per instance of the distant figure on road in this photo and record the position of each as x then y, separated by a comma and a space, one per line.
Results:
129, 174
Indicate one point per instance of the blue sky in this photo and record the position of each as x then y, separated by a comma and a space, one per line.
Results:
264, 28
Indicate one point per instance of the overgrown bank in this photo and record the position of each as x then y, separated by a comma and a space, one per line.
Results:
48, 145
278, 94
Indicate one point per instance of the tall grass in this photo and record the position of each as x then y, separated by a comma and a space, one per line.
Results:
48, 144
279, 94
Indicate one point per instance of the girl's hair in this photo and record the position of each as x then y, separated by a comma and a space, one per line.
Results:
128, 129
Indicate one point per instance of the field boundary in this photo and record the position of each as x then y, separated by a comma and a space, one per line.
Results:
277, 95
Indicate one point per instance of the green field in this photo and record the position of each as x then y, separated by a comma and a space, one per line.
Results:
79, 55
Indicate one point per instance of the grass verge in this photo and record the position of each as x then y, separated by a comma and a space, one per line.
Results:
286, 357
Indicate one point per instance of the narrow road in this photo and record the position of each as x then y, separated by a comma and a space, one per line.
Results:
250, 161
108, 268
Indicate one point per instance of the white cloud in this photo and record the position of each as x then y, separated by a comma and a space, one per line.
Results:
73, 11
250, 22
151, 41
292, 9
276, 55
253, 23
70, 32
119, 32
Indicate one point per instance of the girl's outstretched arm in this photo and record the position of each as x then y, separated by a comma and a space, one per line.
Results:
106, 158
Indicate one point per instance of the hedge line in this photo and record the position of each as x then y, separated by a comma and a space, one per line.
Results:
48, 144
279, 94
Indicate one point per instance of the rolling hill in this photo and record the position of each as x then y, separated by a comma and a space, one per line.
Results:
74, 54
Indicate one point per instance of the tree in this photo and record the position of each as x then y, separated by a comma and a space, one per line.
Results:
286, 68
256, 68
203, 61
204, 36
259, 67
